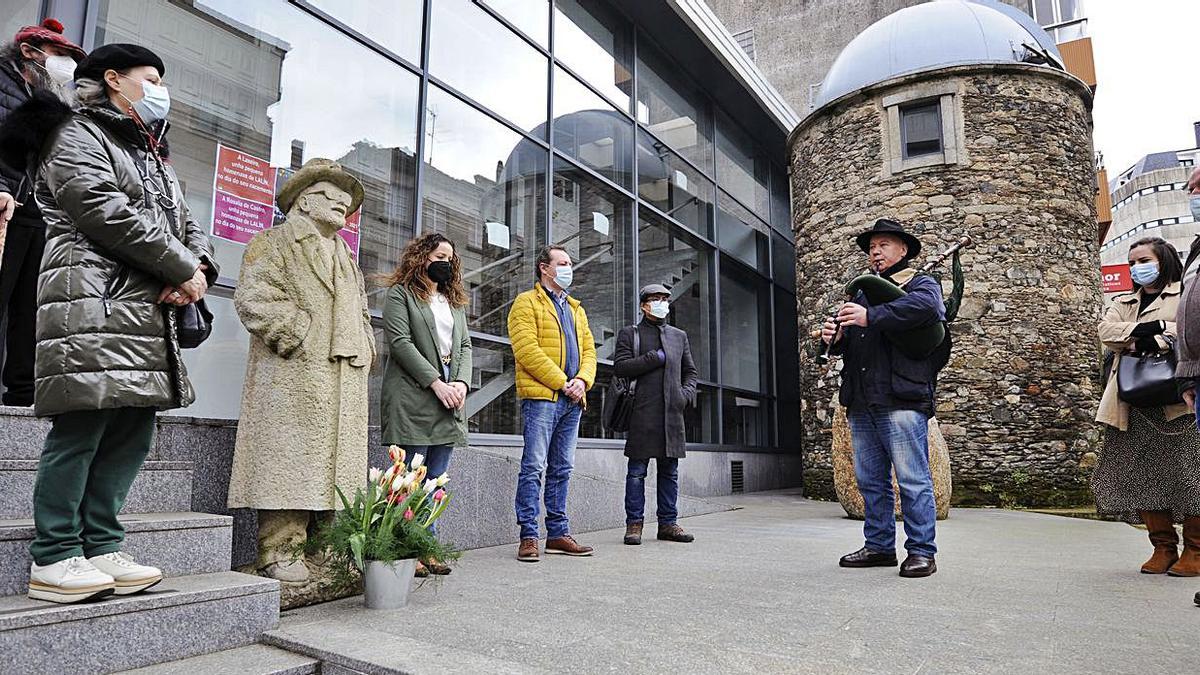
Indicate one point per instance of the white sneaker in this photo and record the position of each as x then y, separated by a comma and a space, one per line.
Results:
71, 580
129, 575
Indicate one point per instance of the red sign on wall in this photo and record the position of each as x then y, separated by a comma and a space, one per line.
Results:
1115, 278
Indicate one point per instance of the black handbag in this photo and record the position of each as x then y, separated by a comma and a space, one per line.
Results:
193, 324
618, 405
1148, 380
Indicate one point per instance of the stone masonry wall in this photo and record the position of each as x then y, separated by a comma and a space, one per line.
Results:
1018, 399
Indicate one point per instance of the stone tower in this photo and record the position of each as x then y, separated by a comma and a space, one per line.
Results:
953, 118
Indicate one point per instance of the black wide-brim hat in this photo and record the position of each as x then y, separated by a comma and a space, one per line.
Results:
118, 56
885, 226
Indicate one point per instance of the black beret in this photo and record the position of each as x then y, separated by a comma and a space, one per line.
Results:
117, 57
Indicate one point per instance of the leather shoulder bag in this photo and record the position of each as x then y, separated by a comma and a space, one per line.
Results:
618, 404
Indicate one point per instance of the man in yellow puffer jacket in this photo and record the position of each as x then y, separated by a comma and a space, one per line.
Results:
556, 366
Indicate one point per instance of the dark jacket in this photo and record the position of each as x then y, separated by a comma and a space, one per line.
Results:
16, 175
875, 374
664, 387
103, 340
411, 413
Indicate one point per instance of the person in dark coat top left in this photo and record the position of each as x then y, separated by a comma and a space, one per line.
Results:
665, 375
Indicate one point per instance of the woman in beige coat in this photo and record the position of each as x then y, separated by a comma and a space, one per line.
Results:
1147, 470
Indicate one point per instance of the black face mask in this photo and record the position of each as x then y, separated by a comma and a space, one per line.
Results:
440, 272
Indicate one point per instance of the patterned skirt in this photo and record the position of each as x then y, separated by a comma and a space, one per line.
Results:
1154, 466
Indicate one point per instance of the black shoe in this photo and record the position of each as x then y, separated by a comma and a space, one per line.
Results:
865, 557
1198, 598
916, 566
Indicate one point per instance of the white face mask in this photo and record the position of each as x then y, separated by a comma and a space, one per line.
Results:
61, 69
154, 104
659, 309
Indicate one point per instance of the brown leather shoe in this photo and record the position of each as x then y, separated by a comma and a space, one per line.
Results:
436, 566
633, 534
1161, 527
674, 532
567, 546
528, 551
1189, 562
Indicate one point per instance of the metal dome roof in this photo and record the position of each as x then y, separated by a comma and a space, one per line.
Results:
935, 35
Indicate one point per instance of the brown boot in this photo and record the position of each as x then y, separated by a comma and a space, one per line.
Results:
633, 534
674, 532
528, 551
1189, 562
566, 545
1161, 527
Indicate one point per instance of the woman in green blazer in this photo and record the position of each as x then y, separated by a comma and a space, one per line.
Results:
426, 380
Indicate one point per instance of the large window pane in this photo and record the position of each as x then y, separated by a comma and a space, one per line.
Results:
671, 107
531, 17
745, 329
399, 31
247, 76
595, 42
591, 423
742, 171
700, 422
673, 186
484, 188
787, 370
593, 222
18, 14
492, 405
478, 55
783, 263
670, 256
781, 205
592, 131
746, 420
741, 233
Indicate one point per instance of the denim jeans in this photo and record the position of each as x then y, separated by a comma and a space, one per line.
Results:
668, 490
894, 439
550, 429
437, 461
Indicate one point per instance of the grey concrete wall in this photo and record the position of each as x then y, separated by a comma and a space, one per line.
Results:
796, 41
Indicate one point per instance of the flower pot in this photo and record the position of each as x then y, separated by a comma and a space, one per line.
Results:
387, 583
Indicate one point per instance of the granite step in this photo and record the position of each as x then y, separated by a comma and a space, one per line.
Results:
180, 618
23, 433
177, 543
251, 660
159, 487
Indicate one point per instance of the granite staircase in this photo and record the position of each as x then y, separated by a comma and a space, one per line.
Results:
200, 611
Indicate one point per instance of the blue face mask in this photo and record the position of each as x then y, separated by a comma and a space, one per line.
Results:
1194, 203
1144, 274
563, 276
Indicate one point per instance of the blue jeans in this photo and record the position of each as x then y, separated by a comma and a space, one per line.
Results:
894, 439
550, 428
668, 490
437, 462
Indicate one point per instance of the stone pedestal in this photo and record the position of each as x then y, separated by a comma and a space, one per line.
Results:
846, 487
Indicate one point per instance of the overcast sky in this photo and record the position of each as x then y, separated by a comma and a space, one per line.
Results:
1148, 77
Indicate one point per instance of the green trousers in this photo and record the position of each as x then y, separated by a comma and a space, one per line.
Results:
88, 463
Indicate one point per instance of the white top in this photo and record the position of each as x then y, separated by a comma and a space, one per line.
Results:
444, 320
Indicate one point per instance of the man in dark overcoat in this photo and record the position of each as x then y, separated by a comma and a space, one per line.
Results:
656, 357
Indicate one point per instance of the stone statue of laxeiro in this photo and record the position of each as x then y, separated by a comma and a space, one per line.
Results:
303, 426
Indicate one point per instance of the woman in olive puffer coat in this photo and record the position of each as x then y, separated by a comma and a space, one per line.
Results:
122, 253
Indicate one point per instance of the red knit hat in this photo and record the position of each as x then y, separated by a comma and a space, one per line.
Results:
50, 32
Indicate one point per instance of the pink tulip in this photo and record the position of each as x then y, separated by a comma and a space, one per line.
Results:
409, 515
439, 495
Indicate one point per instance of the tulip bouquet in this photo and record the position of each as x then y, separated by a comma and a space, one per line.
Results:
389, 518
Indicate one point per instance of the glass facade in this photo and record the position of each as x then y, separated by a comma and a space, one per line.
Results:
505, 125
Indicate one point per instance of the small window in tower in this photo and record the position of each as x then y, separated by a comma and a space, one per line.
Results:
921, 129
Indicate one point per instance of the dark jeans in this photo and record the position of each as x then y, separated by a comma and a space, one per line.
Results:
551, 429
87, 465
894, 439
668, 490
23, 248
437, 462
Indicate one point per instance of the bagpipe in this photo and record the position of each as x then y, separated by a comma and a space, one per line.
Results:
915, 343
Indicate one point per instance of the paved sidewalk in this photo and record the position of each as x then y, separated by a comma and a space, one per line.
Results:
760, 592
